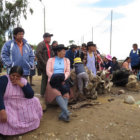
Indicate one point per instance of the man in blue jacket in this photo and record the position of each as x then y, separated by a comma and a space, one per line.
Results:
17, 52
70, 54
135, 58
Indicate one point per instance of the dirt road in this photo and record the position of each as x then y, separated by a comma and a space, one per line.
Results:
112, 120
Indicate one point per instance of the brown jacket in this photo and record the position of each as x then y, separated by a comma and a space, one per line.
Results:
42, 56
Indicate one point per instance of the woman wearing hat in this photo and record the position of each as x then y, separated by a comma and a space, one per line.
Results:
91, 58
58, 70
107, 64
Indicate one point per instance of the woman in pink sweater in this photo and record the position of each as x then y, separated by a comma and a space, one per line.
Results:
58, 70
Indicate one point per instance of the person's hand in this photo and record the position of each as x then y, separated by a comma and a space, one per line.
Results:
18, 82
3, 116
63, 83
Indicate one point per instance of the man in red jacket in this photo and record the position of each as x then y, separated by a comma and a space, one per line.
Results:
43, 53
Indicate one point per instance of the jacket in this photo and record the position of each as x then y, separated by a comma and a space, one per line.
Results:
11, 56
70, 55
115, 66
135, 57
79, 68
42, 56
50, 66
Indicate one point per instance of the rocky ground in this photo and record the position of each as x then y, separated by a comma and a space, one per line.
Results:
111, 119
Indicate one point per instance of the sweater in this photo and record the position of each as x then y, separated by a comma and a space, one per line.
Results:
70, 55
27, 90
79, 68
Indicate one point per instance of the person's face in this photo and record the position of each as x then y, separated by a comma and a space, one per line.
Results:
106, 60
19, 36
55, 44
78, 48
61, 53
14, 77
48, 39
129, 60
113, 60
94, 49
91, 48
84, 48
74, 49
135, 47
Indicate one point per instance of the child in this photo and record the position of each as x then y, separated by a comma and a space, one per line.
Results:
82, 76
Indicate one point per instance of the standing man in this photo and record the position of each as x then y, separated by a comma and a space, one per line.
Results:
70, 54
91, 58
135, 58
17, 52
43, 53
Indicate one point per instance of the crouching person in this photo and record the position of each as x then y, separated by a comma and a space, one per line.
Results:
58, 71
82, 76
20, 111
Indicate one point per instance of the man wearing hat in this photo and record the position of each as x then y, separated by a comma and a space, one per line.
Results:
43, 53
70, 54
91, 58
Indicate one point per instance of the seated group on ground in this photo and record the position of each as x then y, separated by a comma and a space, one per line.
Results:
20, 111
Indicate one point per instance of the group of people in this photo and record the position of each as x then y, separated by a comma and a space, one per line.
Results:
20, 111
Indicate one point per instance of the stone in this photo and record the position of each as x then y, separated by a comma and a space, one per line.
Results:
35, 137
129, 99
131, 137
67, 133
20, 137
132, 78
121, 91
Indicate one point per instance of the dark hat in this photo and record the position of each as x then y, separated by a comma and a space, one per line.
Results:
90, 44
47, 35
60, 47
84, 45
73, 46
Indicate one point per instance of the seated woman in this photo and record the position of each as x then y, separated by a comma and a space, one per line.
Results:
107, 64
20, 111
58, 70
115, 64
127, 64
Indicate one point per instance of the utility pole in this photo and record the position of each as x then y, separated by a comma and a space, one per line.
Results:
92, 33
44, 10
44, 19
111, 32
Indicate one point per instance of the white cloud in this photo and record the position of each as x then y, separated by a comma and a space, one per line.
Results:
67, 21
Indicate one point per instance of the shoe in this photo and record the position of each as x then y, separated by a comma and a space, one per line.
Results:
64, 119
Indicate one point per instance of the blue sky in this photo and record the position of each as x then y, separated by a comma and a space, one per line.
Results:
108, 3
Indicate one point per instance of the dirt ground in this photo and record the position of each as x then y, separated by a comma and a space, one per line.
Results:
112, 120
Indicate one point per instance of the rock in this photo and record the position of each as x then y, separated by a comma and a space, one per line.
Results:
121, 91
132, 78
129, 99
131, 137
67, 133
20, 137
35, 137
106, 127
81, 120
111, 99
